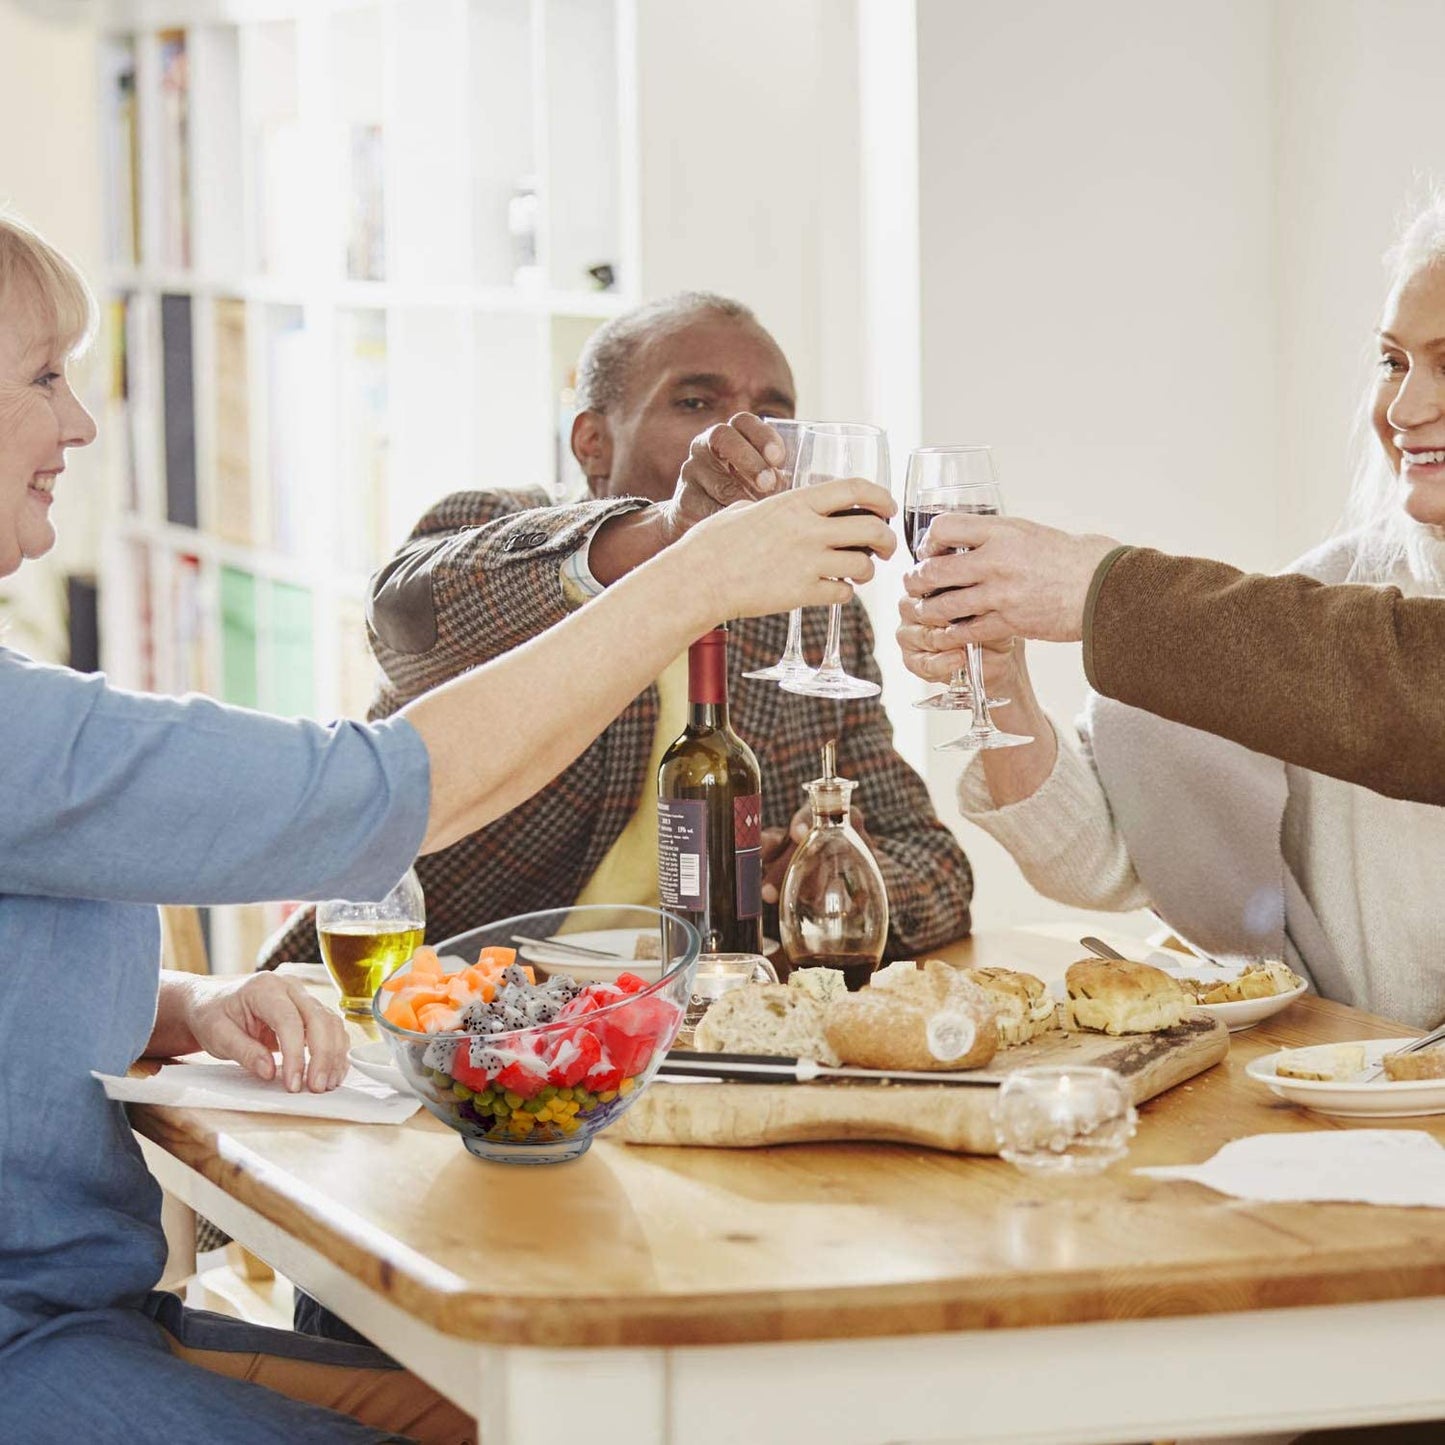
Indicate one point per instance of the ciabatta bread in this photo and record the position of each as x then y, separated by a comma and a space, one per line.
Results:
1022, 1006
1124, 997
928, 1018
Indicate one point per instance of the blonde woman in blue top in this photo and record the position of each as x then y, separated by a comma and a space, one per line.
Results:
114, 802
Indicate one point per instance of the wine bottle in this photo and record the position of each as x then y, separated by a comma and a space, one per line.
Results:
710, 814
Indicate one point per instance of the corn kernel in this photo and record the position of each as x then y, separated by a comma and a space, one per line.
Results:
627, 1086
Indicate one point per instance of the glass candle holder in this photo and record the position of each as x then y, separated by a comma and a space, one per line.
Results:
717, 974
1063, 1120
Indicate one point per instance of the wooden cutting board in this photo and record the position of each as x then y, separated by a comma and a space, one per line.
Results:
936, 1116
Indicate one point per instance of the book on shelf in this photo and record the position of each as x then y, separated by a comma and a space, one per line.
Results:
175, 160
179, 402
121, 172
189, 623
143, 407
290, 415
363, 439
366, 218
235, 520
120, 455
289, 651
356, 671
284, 197
139, 670
240, 680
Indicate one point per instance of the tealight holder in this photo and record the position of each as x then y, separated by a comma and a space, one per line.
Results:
717, 974
1064, 1120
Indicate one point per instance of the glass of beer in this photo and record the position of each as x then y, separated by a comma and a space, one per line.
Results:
362, 943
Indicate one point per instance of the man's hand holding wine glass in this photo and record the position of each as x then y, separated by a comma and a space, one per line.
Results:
735, 461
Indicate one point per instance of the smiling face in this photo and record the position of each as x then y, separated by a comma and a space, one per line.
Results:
689, 374
40, 417
1409, 402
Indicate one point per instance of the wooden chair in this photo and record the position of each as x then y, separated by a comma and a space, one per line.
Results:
183, 943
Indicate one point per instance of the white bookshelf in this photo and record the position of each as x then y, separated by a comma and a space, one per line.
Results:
353, 252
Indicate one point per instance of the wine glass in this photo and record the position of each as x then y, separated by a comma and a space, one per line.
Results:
792, 663
362, 943
982, 498
932, 473
830, 450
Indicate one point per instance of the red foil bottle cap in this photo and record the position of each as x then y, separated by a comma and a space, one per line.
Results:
707, 667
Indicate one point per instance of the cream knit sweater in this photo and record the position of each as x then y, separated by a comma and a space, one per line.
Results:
1244, 855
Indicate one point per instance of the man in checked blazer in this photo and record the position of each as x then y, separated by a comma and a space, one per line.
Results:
485, 571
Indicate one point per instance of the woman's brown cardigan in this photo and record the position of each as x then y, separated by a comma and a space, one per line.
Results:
1345, 680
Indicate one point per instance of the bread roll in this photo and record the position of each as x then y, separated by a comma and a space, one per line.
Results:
929, 1018
766, 1018
1426, 1064
1124, 997
1022, 1006
1331, 1063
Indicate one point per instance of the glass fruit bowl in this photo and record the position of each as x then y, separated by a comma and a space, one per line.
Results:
537, 1094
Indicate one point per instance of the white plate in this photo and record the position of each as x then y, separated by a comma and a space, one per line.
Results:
374, 1060
1379, 1099
612, 940
1249, 1011
621, 941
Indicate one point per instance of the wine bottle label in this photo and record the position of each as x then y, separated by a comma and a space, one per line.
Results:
748, 836
682, 853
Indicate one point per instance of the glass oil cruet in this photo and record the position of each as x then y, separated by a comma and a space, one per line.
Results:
833, 908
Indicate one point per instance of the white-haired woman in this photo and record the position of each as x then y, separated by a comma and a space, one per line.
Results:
1242, 854
115, 802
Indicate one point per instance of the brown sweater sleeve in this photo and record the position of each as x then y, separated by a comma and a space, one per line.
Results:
1344, 680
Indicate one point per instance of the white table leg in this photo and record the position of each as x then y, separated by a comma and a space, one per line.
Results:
594, 1397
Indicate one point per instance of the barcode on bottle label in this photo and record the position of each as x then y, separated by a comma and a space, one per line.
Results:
689, 872
682, 853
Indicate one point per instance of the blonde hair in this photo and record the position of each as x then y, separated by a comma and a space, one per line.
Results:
1374, 513
29, 263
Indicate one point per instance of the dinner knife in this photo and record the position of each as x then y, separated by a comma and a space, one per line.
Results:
780, 1069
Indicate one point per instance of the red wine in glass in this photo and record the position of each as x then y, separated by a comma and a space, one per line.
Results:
918, 519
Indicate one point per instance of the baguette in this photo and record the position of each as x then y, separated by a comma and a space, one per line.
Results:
929, 1018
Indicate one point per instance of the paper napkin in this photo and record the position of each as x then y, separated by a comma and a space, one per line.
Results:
218, 1084
1365, 1166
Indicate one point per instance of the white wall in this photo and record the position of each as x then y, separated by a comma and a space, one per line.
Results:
1360, 138
50, 175
748, 181
1148, 241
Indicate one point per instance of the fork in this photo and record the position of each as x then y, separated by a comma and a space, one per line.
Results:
575, 949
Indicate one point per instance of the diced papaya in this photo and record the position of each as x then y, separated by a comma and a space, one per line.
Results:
401, 1013
425, 960
495, 958
438, 1018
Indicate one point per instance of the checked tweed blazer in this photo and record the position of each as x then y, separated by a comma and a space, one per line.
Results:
480, 575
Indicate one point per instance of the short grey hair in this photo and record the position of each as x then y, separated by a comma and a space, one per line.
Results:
606, 361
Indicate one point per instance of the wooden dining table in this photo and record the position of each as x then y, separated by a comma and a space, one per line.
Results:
853, 1294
